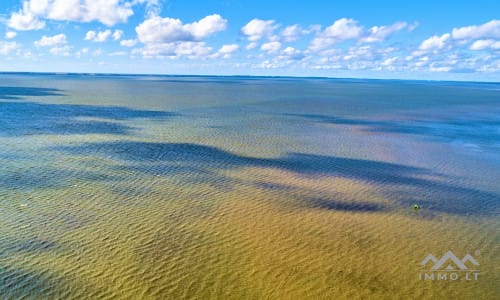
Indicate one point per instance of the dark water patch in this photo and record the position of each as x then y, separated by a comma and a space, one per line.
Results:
48, 177
352, 206
444, 198
30, 118
27, 246
202, 160
484, 131
16, 93
206, 157
22, 283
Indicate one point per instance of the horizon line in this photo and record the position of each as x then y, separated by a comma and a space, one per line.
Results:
239, 75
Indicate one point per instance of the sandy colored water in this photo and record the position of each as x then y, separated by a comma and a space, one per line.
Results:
289, 196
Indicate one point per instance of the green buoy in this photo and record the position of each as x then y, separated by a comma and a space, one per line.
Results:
416, 207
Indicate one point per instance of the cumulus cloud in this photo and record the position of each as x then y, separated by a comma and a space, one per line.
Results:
10, 34
282, 58
343, 29
61, 51
164, 30
271, 47
251, 46
490, 29
381, 33
226, 50
128, 43
108, 12
340, 30
206, 26
434, 42
7, 47
25, 20
294, 32
168, 37
485, 44
103, 36
291, 53
49, 41
174, 50
117, 35
98, 36
256, 29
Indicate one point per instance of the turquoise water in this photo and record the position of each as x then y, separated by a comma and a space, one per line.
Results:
93, 164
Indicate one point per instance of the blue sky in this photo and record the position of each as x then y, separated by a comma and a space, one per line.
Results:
443, 40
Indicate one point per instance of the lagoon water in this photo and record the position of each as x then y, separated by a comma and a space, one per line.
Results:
178, 187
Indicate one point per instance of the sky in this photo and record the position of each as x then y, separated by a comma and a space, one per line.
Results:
430, 40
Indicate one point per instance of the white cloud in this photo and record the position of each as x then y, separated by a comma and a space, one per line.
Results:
49, 41
192, 49
91, 35
61, 51
25, 21
380, 33
291, 53
490, 29
128, 43
174, 50
294, 32
157, 30
117, 35
343, 29
434, 42
256, 29
267, 64
165, 30
167, 37
226, 50
251, 46
7, 47
103, 36
99, 37
10, 34
108, 12
206, 26
271, 47
340, 30
389, 61
434, 68
485, 44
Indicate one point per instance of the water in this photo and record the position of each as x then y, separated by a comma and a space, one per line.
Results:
165, 187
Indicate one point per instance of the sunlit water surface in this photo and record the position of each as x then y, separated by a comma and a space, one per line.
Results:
150, 187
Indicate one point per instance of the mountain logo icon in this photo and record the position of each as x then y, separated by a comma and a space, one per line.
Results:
450, 262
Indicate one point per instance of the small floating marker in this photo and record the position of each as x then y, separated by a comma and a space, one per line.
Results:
24, 205
416, 207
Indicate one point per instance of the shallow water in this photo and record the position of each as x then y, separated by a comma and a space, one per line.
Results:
164, 187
